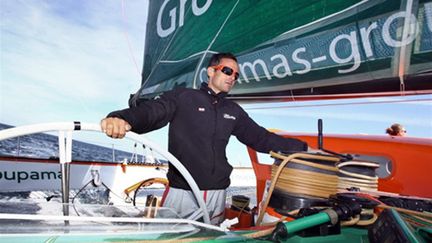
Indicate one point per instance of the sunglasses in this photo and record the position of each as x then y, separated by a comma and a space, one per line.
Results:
227, 71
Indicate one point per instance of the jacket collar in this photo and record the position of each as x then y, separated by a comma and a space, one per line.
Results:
208, 90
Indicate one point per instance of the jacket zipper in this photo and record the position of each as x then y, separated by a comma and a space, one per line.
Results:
214, 103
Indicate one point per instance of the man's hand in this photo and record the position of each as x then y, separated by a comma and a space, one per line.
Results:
115, 127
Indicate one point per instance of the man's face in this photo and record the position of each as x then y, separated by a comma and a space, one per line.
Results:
219, 81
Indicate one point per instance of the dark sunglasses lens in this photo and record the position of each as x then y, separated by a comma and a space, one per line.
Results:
236, 76
227, 70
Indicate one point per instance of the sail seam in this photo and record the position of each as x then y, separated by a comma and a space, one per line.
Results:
281, 36
210, 44
185, 59
327, 17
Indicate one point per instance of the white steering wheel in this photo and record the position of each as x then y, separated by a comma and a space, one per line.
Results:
65, 148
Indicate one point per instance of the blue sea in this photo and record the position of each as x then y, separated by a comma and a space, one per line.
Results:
45, 146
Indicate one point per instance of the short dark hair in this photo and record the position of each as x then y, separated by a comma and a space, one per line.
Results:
216, 58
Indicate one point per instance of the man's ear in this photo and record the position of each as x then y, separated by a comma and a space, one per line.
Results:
210, 72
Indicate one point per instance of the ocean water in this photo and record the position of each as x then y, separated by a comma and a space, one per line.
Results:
45, 146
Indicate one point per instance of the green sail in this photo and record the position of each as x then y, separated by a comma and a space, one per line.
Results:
291, 47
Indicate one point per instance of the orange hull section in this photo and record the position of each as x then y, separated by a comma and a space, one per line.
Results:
411, 159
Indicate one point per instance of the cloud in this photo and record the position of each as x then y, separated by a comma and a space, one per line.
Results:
70, 57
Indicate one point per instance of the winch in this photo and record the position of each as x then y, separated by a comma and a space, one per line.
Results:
303, 180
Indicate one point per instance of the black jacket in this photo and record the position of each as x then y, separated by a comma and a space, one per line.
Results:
201, 123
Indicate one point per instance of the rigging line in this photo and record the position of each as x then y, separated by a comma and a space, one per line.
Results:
403, 54
292, 95
339, 104
211, 43
128, 40
428, 15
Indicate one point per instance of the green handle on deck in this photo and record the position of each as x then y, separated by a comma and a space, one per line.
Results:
307, 222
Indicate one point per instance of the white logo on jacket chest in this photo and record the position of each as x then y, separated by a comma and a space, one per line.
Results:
228, 116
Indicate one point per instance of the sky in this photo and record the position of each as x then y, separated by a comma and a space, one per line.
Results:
78, 60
